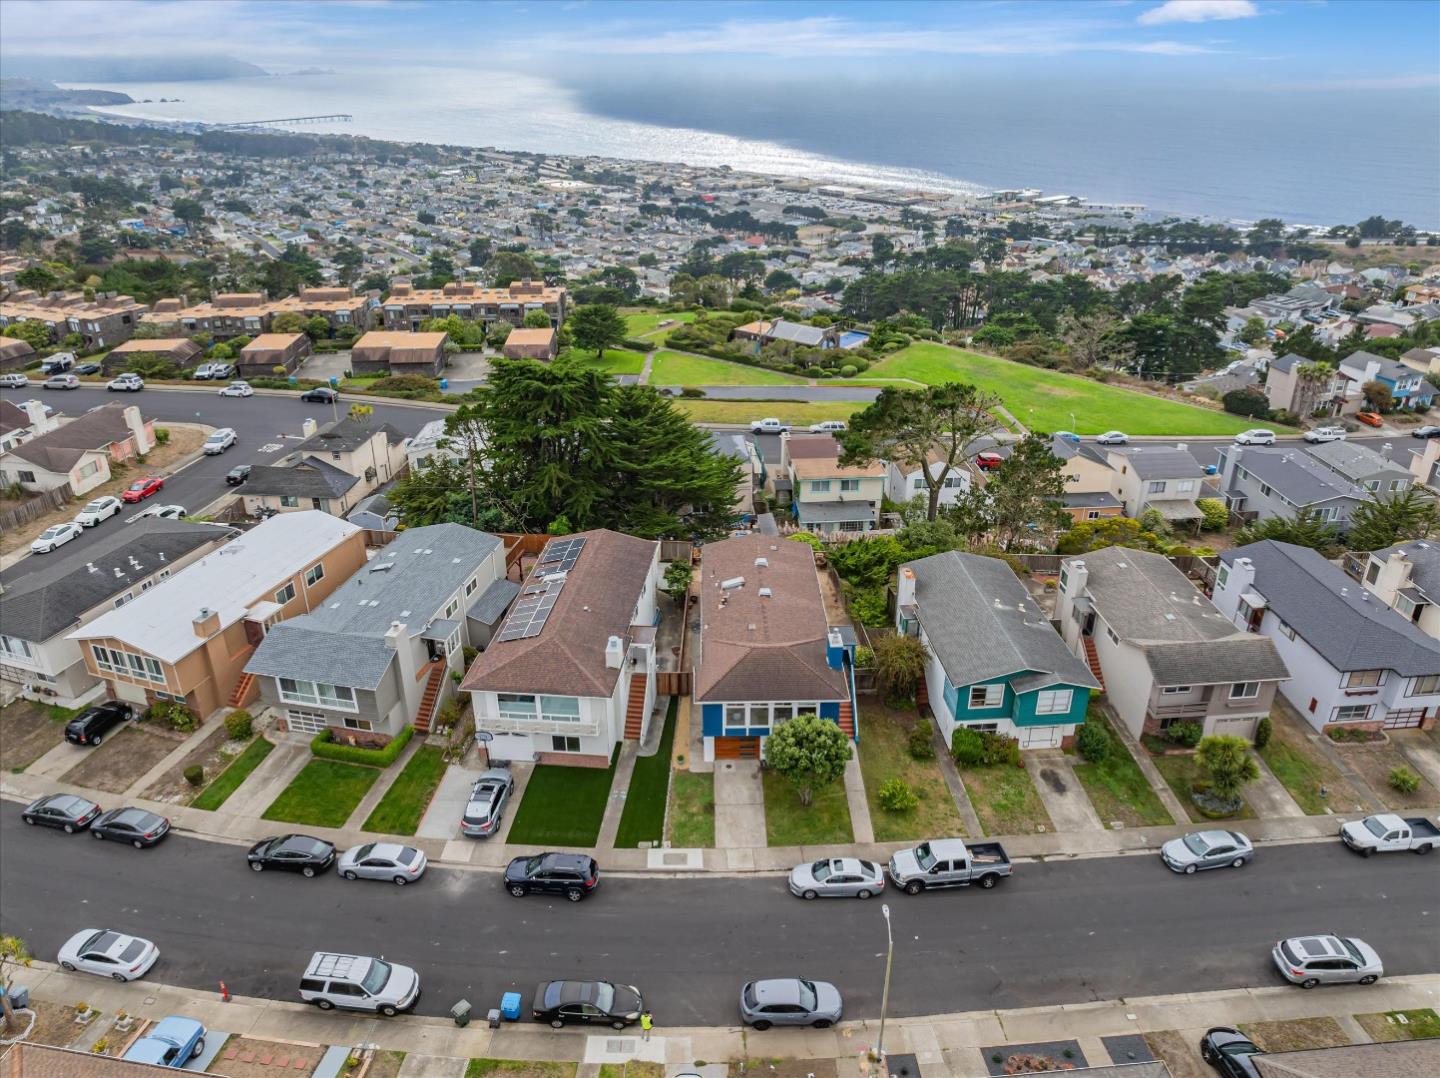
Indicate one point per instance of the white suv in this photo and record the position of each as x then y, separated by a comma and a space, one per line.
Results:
359, 984
1255, 436
219, 441
129, 382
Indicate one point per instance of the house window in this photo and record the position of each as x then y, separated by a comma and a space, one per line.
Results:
560, 708
1399, 484
1245, 690
1175, 690
1351, 713
565, 744
1371, 485
317, 694
26, 477
1185, 486
356, 724
1424, 686
987, 695
515, 706
1266, 490
734, 714
849, 486
1053, 701
1156, 486
1064, 579
1111, 634
12, 646
782, 712
917, 483
315, 574
1405, 607
983, 727
285, 594
470, 586
1223, 576
1286, 630
820, 486
322, 504
1092, 514
1364, 679
1330, 513
450, 608
124, 599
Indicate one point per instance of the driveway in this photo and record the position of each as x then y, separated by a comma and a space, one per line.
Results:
739, 805
1060, 791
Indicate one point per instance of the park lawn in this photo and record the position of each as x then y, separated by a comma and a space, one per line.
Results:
1117, 787
324, 794
403, 805
1005, 800
614, 360
1303, 770
825, 821
229, 780
1045, 400
563, 806
644, 817
1181, 773
743, 413
684, 369
692, 810
885, 754
640, 323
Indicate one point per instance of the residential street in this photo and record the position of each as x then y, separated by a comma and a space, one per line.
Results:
1056, 933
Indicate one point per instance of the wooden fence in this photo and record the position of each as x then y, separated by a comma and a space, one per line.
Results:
673, 682
36, 506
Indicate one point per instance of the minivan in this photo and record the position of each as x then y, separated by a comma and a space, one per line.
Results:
359, 984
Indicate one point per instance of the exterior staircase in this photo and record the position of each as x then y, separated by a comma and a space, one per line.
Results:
430, 699
922, 695
1092, 659
847, 719
635, 710
244, 691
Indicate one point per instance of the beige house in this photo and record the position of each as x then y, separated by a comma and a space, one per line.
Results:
1407, 577
530, 344
332, 471
261, 356
384, 352
233, 314
407, 306
180, 351
188, 638
1089, 483
106, 319
830, 497
15, 353
80, 452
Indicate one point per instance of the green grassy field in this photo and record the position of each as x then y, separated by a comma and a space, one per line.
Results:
692, 809
643, 819
789, 823
323, 794
885, 754
1117, 787
229, 780
1045, 400
683, 369
615, 361
796, 413
642, 323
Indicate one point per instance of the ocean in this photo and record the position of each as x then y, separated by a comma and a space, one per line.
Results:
1305, 157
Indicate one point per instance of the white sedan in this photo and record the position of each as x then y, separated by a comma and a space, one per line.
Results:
1113, 437
108, 954
1325, 434
382, 861
237, 389
164, 512
98, 510
55, 536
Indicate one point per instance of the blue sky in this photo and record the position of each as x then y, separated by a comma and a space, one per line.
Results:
1370, 44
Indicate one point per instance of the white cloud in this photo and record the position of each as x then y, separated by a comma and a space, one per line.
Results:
1198, 11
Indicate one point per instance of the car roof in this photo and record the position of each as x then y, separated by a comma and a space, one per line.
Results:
781, 990
1318, 946
392, 850
69, 802
578, 861
134, 814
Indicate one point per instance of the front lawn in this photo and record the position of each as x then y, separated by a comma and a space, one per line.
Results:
1117, 787
324, 794
1303, 770
1419, 1024
519, 1068
743, 413
1181, 773
692, 809
403, 805
825, 821
563, 806
683, 369
28, 731
644, 817
229, 780
1005, 800
884, 755
1044, 400
1375, 762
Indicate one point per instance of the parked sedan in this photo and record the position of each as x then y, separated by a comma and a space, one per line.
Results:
141, 489
591, 1003
292, 853
137, 826
237, 475
1206, 849
382, 861
1430, 430
1325, 434
237, 389
320, 395
1311, 960
837, 877
65, 811
570, 874
164, 512
108, 954
61, 381
91, 725
1113, 437
171, 1042
55, 535
1230, 1052
1371, 419
790, 1001
98, 510
87, 368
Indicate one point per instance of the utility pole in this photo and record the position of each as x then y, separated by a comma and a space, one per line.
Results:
885, 995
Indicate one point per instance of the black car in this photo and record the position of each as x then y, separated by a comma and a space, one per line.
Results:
237, 475
292, 853
91, 726
591, 1003
320, 395
65, 811
1230, 1052
86, 368
137, 826
570, 874
1430, 430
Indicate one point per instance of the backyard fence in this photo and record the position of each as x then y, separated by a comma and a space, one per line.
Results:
37, 506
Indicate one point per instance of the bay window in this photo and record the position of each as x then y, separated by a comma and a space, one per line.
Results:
317, 694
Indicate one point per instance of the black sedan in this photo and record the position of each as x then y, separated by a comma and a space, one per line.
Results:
320, 395
591, 1003
137, 826
1430, 430
65, 811
91, 726
570, 874
237, 475
292, 853
1230, 1052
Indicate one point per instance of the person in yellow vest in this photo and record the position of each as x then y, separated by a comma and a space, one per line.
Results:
647, 1022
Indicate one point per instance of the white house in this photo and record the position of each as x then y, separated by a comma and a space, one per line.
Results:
904, 482
1407, 577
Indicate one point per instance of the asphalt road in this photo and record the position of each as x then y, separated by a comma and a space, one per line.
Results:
1055, 933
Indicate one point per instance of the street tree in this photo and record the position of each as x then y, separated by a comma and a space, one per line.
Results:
808, 752
1092, 339
537, 320
597, 326
1253, 331
1393, 518
1378, 395
1305, 528
1024, 496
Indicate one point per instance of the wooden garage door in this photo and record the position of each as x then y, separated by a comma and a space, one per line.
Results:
737, 748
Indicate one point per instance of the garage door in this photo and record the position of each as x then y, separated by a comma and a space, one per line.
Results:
1404, 718
305, 722
1244, 727
737, 748
1041, 737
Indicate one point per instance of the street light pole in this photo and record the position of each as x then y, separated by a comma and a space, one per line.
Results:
885, 994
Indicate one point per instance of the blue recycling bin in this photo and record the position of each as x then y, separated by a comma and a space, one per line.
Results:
334, 382
510, 1006
444, 384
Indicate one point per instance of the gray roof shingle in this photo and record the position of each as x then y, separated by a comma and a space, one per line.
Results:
1297, 475
308, 478
1424, 558
494, 601
1161, 462
1355, 462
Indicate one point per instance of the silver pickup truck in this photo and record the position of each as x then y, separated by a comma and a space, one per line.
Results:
948, 862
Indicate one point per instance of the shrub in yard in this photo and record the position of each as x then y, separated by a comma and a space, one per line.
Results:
173, 714
1227, 765
321, 745
1263, 730
162, 436
194, 774
864, 657
967, 746
1000, 749
920, 743
1184, 733
1403, 780
469, 655
239, 725
899, 665
808, 751
1093, 741
896, 796
1214, 514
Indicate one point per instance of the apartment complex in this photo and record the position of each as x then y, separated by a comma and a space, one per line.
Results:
233, 314
105, 320
407, 307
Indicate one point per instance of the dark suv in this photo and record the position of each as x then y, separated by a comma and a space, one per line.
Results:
570, 874
91, 727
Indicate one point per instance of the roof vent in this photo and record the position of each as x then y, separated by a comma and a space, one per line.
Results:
1122, 565
382, 566
765, 593
751, 626
1169, 617
118, 574
762, 563
733, 583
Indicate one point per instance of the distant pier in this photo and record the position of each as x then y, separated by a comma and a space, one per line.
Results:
338, 117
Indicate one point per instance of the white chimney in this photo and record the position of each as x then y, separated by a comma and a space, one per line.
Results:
1077, 576
393, 634
308, 428
906, 589
614, 653
136, 423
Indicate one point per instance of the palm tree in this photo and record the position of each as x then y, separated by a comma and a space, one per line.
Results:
1311, 380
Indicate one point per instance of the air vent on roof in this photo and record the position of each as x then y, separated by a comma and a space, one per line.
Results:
404, 613
1169, 617
733, 583
374, 602
90, 567
118, 574
765, 593
762, 563
380, 568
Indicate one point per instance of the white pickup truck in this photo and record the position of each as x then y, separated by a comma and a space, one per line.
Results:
1388, 833
949, 862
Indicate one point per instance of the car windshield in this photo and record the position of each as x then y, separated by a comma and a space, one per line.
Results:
1196, 844
807, 995
1289, 952
605, 996
376, 976
96, 506
132, 952
1238, 1048
362, 852
820, 870
1375, 827
923, 857
139, 484
1353, 951
50, 533
532, 866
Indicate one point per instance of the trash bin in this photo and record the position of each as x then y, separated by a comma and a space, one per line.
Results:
444, 384
20, 997
334, 382
510, 1006
461, 1013
494, 1018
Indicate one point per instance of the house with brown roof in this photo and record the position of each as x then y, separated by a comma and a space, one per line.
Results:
108, 318
572, 671
21, 422
767, 651
270, 350
384, 352
531, 344
15, 354
79, 452
180, 352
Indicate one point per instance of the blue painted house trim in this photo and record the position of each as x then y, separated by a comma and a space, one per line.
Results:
1018, 708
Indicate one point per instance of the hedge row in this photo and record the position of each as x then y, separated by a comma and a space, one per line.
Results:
323, 746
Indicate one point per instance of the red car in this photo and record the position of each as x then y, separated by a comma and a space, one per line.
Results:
988, 462
141, 489
1370, 419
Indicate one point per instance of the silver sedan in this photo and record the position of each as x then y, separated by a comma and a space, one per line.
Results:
383, 861
837, 877
1200, 850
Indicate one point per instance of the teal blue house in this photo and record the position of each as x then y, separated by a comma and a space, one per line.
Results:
995, 662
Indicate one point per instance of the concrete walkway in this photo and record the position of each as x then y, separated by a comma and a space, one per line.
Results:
855, 795
1148, 769
739, 805
442, 817
1420, 752
1268, 796
58, 760
968, 816
619, 788
1060, 791
286, 760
